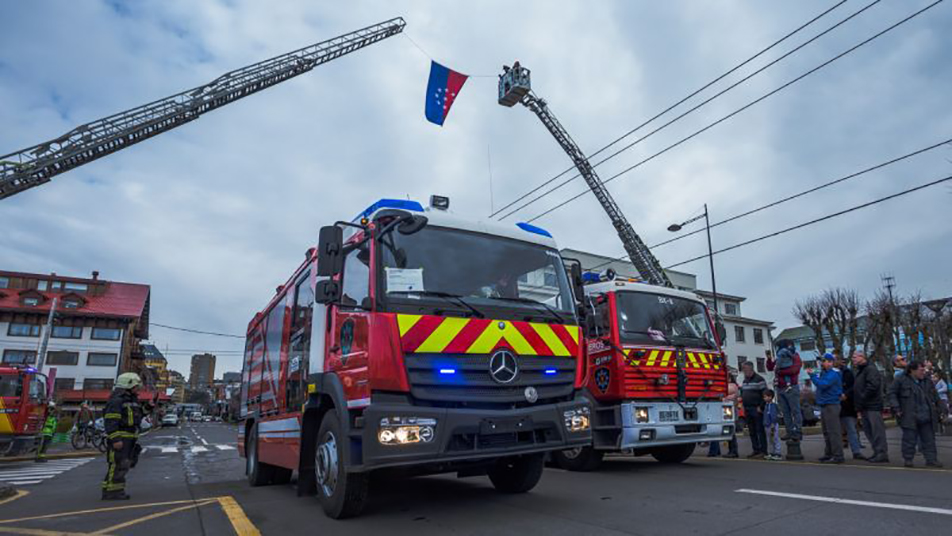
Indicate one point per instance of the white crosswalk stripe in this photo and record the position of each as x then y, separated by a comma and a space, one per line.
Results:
196, 449
28, 473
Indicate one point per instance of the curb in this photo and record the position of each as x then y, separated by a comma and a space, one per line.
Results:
54, 456
7, 491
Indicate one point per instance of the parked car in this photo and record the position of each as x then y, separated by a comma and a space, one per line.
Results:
207, 418
196, 416
170, 419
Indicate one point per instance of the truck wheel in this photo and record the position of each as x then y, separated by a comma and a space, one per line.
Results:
579, 459
259, 473
673, 453
517, 474
342, 494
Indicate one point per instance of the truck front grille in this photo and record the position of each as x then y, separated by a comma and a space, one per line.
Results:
470, 382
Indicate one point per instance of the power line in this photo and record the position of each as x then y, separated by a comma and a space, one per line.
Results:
746, 106
789, 198
669, 108
818, 220
188, 330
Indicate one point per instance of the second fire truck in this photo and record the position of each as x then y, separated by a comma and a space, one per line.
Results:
413, 338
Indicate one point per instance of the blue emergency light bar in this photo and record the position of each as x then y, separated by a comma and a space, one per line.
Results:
529, 228
402, 204
447, 371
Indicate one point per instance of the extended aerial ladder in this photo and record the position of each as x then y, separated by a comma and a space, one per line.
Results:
38, 164
515, 87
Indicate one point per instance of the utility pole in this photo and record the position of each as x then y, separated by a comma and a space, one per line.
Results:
889, 282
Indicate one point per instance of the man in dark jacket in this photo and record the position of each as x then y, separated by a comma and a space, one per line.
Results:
122, 417
786, 369
915, 402
868, 399
848, 406
752, 396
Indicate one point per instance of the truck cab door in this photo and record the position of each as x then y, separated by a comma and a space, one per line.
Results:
349, 333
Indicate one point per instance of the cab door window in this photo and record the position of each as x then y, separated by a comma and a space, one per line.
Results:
356, 290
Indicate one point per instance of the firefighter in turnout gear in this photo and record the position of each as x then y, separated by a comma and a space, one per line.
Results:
49, 428
122, 417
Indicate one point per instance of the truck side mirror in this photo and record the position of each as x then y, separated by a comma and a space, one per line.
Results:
574, 272
721, 331
330, 251
327, 291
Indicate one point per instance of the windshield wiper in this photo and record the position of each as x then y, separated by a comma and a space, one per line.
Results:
552, 311
707, 342
455, 298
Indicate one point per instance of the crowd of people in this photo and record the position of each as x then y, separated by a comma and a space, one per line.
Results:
851, 396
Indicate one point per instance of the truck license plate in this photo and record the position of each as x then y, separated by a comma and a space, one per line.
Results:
669, 415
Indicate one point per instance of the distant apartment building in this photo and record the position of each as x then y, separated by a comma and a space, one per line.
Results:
231, 377
177, 386
157, 363
95, 335
203, 371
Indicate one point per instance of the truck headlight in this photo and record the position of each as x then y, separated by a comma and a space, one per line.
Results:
406, 430
728, 413
578, 419
641, 415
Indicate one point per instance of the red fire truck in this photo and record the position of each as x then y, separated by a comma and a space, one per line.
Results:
23, 404
657, 374
414, 338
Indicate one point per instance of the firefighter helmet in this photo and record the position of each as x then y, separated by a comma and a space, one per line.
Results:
128, 380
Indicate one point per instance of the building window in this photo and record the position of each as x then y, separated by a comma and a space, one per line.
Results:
730, 308
741, 359
57, 285
71, 304
23, 330
807, 345
761, 364
75, 287
758, 336
62, 358
31, 301
4, 282
64, 384
524, 278
106, 334
739, 333
92, 384
550, 279
19, 357
710, 304
67, 332
809, 364
42, 284
96, 359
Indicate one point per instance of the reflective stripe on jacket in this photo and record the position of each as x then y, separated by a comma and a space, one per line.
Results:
122, 415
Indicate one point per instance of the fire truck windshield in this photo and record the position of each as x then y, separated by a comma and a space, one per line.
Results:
10, 385
444, 266
658, 319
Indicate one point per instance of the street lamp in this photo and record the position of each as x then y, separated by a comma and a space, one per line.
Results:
675, 227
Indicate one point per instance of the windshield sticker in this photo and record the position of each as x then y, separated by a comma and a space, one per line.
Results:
656, 335
404, 279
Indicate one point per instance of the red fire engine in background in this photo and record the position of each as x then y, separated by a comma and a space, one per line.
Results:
23, 406
657, 374
421, 340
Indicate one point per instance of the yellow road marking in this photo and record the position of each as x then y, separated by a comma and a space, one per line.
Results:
95, 510
239, 521
19, 493
152, 516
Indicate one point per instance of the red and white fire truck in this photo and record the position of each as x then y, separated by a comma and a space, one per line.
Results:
23, 406
414, 338
657, 374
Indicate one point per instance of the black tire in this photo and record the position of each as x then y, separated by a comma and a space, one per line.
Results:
579, 459
673, 453
78, 440
259, 473
517, 474
100, 442
342, 493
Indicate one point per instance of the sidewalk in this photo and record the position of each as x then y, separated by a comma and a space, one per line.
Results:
812, 448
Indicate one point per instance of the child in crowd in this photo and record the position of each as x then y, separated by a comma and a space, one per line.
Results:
772, 427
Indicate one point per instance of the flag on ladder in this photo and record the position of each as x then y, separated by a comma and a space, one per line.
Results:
441, 91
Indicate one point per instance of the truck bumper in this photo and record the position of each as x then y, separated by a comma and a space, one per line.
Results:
15, 445
462, 435
667, 425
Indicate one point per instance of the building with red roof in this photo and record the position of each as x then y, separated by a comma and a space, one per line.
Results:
96, 332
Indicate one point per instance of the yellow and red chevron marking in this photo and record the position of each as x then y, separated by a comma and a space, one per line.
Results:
666, 359
428, 334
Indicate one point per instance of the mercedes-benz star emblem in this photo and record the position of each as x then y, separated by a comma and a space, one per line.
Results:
503, 367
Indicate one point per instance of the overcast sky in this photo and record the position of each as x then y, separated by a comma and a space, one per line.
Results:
216, 214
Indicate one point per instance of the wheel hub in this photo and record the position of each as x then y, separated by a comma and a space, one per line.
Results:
572, 453
327, 464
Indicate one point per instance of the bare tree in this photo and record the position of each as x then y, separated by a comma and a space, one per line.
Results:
840, 311
912, 321
880, 325
809, 312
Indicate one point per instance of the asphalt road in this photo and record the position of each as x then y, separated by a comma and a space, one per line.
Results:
190, 481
